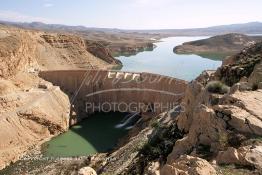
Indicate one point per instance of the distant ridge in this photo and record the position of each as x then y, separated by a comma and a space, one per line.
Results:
245, 28
44, 26
218, 46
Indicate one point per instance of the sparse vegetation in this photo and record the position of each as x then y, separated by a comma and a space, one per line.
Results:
254, 87
223, 140
204, 151
217, 87
155, 124
140, 145
159, 146
236, 170
161, 143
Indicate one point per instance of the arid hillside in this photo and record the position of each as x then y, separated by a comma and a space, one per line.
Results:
31, 109
48, 50
122, 43
119, 42
228, 44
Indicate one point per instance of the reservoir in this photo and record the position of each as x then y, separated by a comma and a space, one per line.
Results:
162, 60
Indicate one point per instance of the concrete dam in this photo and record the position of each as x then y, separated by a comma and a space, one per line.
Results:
96, 90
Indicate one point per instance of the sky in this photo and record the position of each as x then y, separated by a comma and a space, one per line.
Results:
133, 14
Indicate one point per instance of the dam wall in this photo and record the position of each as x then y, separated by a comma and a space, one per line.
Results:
140, 92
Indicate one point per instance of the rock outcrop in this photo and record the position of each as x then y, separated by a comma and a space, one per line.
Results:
30, 117
245, 156
130, 49
31, 51
188, 165
16, 54
77, 52
102, 51
246, 64
222, 126
87, 171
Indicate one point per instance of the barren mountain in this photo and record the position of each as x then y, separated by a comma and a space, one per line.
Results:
246, 28
119, 42
226, 45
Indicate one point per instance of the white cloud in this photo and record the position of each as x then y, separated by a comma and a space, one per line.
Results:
19, 17
48, 5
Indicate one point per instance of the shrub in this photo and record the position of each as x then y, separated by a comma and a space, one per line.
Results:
255, 87
217, 87
223, 139
155, 124
140, 145
162, 142
203, 151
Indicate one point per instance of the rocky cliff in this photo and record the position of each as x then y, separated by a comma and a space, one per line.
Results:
130, 49
101, 50
75, 52
31, 109
222, 127
28, 118
16, 53
45, 51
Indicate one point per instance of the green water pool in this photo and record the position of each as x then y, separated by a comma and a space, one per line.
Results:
95, 134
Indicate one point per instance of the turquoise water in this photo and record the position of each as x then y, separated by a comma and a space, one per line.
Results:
164, 61
95, 134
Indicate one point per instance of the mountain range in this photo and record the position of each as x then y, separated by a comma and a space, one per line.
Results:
245, 28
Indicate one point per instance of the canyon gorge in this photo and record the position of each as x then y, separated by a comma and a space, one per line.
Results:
214, 128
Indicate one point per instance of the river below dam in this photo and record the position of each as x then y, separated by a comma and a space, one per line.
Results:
100, 133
